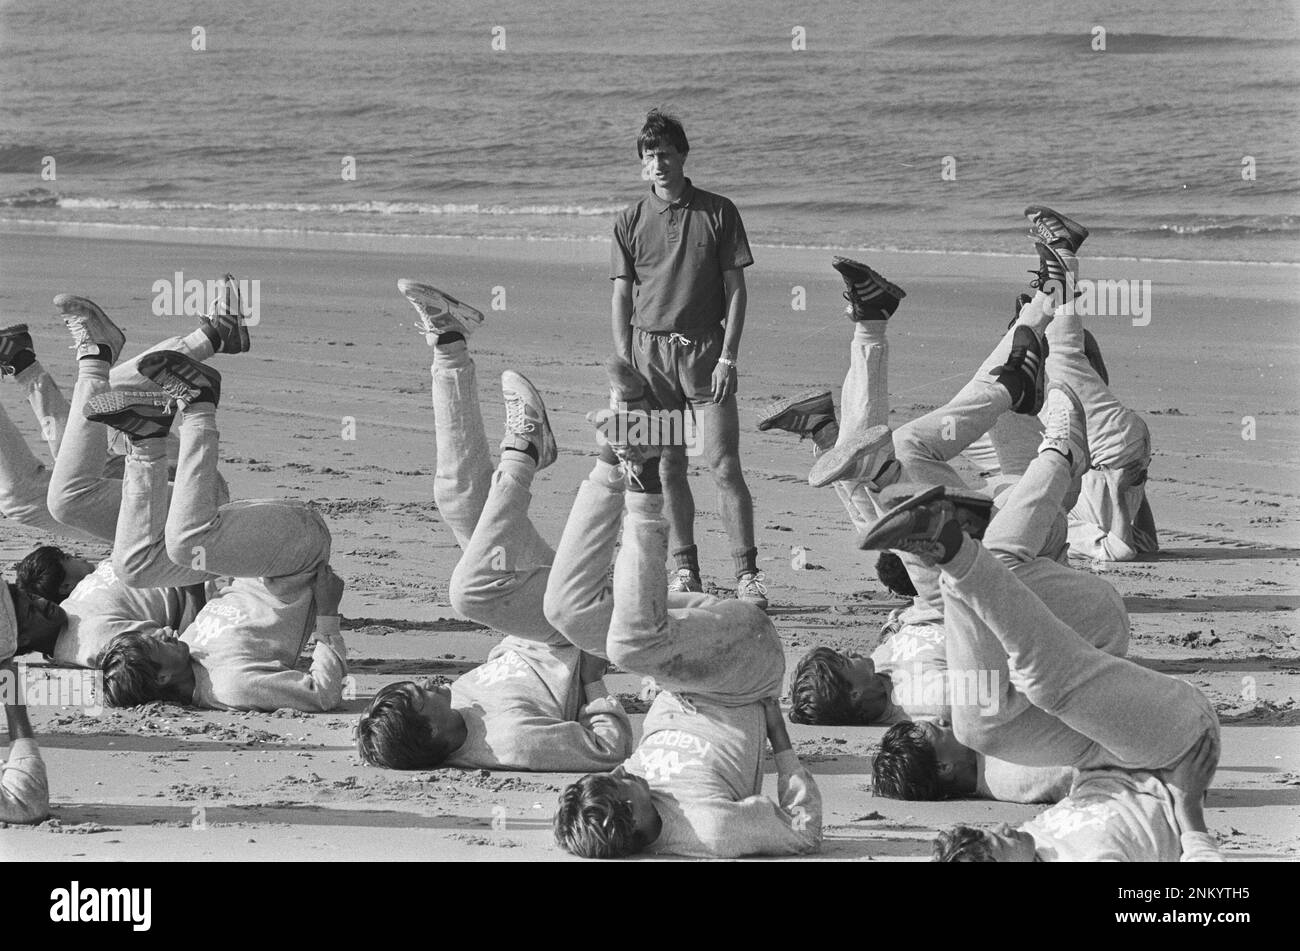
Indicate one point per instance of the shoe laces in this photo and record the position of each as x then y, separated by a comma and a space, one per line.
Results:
80, 332
752, 583
174, 386
517, 420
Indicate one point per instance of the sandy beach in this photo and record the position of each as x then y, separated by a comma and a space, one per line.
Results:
1215, 370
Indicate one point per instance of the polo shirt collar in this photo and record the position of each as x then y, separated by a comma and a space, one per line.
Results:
660, 206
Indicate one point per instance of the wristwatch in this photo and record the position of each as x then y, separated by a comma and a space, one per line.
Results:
728, 361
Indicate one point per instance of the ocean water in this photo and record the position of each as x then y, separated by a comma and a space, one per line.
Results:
840, 144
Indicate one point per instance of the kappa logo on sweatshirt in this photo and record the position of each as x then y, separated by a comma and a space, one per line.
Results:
507, 666
213, 621
670, 752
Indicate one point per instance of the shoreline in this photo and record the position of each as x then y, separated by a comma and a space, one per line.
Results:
392, 243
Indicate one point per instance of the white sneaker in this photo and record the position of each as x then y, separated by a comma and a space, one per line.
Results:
750, 587
685, 581
90, 327
1065, 427
439, 312
526, 417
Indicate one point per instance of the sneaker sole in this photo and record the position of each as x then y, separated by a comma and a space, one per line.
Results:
832, 465
115, 401
443, 311
780, 407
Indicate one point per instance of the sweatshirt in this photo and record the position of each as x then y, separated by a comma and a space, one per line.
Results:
101, 607
246, 641
914, 657
1117, 816
24, 789
703, 762
525, 708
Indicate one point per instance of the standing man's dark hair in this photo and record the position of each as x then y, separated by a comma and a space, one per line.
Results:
677, 263
660, 127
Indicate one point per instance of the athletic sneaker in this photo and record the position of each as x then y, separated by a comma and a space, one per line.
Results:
526, 418
90, 327
1054, 229
1091, 350
866, 449
750, 587
974, 510
184, 379
685, 581
141, 415
1058, 270
14, 339
1028, 360
870, 296
924, 525
629, 395
226, 316
799, 414
1065, 427
440, 313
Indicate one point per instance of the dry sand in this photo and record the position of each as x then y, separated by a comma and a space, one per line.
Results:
1216, 607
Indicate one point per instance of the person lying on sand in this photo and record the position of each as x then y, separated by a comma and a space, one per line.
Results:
271, 556
694, 784
539, 702
1145, 744
82, 497
907, 677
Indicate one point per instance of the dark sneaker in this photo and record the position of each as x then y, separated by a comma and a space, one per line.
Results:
1028, 360
226, 316
139, 415
526, 418
440, 313
1057, 271
1021, 301
685, 581
973, 510
864, 452
800, 414
90, 327
924, 525
628, 426
870, 296
1054, 229
14, 339
185, 380
1065, 427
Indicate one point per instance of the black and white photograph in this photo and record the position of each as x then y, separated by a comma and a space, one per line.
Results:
490, 432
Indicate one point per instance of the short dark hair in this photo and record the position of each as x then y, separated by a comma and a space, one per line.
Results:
130, 674
41, 573
962, 844
393, 734
820, 692
594, 822
893, 575
906, 766
659, 128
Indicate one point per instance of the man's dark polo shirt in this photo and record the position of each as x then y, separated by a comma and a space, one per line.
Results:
675, 254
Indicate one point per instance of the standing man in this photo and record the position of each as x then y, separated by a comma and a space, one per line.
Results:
678, 312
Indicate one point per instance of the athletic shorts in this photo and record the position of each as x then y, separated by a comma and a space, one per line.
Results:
679, 369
